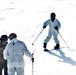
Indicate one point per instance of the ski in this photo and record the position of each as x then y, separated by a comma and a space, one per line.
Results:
54, 49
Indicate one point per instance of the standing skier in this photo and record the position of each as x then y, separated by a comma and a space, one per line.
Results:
54, 26
3, 62
14, 53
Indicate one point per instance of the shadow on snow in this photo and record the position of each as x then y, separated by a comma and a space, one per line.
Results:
63, 57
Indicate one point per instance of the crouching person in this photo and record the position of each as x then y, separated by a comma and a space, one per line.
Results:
14, 52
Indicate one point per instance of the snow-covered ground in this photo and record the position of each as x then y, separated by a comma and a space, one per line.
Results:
26, 17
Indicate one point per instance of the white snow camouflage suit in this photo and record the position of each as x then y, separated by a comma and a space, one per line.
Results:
52, 30
14, 56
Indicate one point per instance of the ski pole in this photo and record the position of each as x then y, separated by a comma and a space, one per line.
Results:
37, 36
63, 40
32, 68
33, 65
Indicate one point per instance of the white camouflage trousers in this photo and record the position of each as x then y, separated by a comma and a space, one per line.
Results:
55, 37
19, 70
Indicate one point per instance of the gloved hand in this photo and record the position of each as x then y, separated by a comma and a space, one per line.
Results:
56, 28
44, 27
32, 59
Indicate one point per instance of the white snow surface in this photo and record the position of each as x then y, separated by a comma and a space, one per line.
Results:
26, 17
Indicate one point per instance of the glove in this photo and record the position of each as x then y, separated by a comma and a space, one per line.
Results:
56, 28
44, 27
32, 59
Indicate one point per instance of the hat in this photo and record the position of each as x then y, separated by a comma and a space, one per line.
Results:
12, 35
4, 37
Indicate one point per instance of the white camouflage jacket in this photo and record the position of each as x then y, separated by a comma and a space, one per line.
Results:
14, 52
52, 25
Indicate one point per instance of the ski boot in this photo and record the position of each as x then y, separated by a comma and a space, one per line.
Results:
57, 46
44, 46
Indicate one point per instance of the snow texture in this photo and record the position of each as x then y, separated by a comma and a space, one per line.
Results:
26, 17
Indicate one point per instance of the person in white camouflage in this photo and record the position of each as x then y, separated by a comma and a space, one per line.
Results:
14, 53
54, 26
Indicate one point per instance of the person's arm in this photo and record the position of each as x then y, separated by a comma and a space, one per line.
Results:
58, 25
45, 24
27, 53
5, 53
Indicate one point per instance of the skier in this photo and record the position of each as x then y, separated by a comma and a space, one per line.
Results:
54, 26
14, 53
3, 62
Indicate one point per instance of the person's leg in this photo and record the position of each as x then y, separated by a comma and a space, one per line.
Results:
47, 39
20, 70
5, 69
1, 67
0, 71
56, 41
11, 71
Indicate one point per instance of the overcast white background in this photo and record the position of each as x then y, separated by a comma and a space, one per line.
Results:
26, 17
